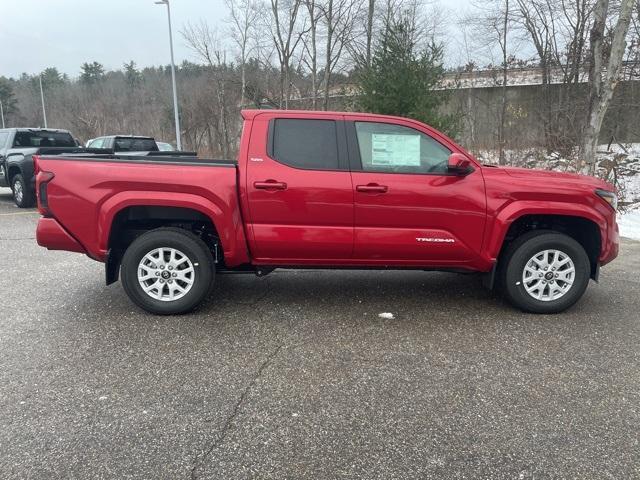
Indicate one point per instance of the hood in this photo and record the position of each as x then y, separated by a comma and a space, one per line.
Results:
551, 176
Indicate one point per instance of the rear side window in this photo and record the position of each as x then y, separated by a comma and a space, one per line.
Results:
43, 138
386, 147
135, 145
308, 144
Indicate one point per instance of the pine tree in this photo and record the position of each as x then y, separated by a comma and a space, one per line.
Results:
403, 77
132, 75
92, 73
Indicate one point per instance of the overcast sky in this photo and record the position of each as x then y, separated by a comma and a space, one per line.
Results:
36, 34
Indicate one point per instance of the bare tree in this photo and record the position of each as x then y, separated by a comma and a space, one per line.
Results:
603, 74
369, 31
310, 42
573, 31
205, 43
632, 60
558, 30
243, 16
535, 18
286, 31
338, 17
491, 23
503, 105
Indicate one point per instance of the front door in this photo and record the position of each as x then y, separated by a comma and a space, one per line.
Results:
299, 189
408, 209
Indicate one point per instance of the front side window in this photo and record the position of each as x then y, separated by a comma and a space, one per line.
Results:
305, 143
390, 148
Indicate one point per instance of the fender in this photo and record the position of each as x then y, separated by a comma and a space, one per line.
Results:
228, 223
16, 159
505, 217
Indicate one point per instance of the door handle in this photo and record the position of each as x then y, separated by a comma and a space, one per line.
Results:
270, 185
372, 188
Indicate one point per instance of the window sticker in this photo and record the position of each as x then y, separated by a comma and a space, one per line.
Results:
395, 150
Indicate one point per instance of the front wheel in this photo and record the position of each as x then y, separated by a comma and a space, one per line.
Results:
545, 272
167, 271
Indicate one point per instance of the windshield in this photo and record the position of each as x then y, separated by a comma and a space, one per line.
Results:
135, 145
43, 138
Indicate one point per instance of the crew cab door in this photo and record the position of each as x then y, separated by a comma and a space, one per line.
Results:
409, 210
299, 190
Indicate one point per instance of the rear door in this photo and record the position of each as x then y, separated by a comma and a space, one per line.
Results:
299, 189
408, 209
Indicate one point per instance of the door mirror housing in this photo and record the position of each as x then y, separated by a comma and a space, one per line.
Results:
459, 165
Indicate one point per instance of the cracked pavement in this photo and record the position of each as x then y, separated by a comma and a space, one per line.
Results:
294, 375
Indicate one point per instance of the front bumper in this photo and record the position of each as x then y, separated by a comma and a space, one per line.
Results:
611, 244
51, 235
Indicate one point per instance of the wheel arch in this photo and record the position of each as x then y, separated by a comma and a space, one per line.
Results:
584, 227
156, 209
15, 164
13, 169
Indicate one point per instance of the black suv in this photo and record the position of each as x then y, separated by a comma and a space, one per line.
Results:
17, 147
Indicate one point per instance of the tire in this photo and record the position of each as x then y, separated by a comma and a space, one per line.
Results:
552, 290
23, 196
143, 255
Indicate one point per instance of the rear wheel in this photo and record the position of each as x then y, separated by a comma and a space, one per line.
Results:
23, 196
167, 271
545, 272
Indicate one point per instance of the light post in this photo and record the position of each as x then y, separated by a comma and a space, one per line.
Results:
2, 113
173, 76
44, 113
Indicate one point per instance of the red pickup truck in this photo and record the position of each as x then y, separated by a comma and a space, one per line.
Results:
327, 190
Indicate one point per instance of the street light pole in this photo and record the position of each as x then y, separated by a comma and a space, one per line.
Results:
173, 77
2, 113
44, 112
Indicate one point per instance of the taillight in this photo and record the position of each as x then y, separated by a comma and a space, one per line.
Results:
42, 182
36, 168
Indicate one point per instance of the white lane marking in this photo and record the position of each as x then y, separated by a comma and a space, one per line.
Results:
19, 213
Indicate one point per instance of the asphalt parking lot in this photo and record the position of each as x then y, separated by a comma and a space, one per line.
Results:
296, 376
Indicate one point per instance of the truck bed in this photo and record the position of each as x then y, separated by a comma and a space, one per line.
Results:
88, 191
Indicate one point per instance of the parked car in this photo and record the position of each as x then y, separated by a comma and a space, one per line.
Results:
330, 190
124, 143
17, 146
165, 147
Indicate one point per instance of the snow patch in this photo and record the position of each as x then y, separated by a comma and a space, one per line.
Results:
616, 163
387, 315
629, 224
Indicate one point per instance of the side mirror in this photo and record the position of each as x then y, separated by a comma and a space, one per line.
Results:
459, 164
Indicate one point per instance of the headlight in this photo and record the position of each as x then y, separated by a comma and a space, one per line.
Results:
608, 197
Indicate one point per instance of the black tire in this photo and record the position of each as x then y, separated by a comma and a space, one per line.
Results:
185, 242
522, 250
23, 195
